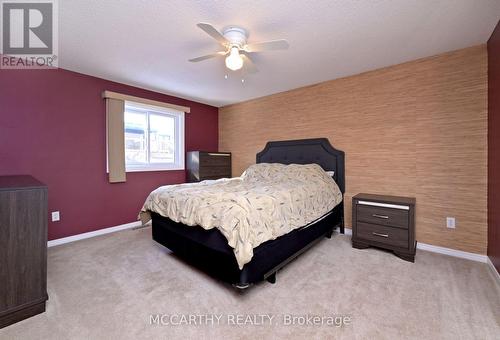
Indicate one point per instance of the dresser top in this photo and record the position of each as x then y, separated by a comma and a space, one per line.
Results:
385, 198
211, 152
19, 182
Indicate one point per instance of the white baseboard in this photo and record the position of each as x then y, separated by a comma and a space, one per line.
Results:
493, 270
452, 252
443, 250
347, 231
90, 234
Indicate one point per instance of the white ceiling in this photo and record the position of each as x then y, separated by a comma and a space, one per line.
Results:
147, 43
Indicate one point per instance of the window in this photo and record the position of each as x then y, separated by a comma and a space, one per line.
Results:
154, 138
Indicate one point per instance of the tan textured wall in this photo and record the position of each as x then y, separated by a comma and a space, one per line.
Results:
416, 129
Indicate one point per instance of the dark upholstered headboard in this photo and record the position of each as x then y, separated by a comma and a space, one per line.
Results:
306, 151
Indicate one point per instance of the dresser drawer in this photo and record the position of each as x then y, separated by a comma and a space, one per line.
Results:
204, 178
210, 159
387, 235
222, 171
383, 216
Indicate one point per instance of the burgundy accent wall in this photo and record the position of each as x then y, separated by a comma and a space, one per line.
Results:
494, 148
53, 126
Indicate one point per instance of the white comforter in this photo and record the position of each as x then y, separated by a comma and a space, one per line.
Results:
267, 201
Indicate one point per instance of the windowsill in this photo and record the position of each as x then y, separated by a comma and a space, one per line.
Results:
154, 169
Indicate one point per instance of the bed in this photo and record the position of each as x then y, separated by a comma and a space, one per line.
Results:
209, 249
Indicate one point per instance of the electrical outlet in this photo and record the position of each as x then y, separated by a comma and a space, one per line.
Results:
450, 222
55, 216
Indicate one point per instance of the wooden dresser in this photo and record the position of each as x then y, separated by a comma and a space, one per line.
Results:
385, 222
23, 248
203, 165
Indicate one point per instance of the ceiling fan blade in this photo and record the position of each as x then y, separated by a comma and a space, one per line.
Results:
248, 64
280, 44
211, 31
208, 56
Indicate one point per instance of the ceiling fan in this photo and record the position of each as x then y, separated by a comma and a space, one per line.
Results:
236, 49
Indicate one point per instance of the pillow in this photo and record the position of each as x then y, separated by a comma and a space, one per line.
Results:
278, 172
263, 171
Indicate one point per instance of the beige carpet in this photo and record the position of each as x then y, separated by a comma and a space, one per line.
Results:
107, 288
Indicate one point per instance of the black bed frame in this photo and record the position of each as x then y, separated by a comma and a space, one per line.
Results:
209, 250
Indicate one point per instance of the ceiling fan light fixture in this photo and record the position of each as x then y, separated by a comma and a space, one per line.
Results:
234, 61
234, 40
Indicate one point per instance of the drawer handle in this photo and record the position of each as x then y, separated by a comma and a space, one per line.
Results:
381, 235
380, 216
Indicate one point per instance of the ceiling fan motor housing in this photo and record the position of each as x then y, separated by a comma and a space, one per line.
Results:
236, 35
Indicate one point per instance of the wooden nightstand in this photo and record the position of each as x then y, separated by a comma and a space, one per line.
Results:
386, 222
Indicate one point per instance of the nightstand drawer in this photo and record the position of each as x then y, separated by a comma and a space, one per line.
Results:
387, 235
383, 216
